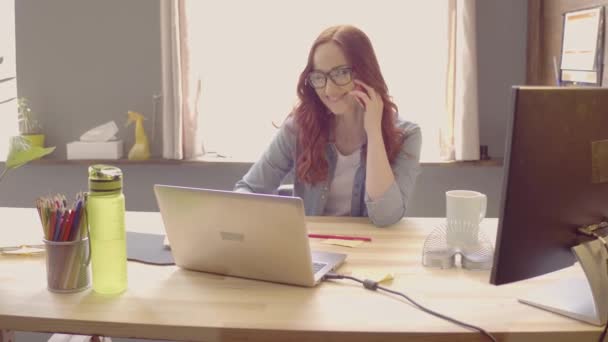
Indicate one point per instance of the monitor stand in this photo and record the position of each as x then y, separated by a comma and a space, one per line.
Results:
582, 298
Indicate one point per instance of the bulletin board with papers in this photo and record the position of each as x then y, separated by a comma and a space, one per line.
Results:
582, 47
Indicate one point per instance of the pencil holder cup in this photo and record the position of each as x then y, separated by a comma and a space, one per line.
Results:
67, 265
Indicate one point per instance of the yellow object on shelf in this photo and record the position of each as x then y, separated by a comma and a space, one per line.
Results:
141, 148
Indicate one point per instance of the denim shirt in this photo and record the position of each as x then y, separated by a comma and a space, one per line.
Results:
279, 159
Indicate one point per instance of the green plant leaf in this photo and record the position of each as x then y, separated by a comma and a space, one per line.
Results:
21, 152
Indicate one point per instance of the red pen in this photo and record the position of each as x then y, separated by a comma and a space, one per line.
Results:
67, 228
339, 237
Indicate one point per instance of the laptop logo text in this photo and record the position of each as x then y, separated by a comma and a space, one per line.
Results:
232, 236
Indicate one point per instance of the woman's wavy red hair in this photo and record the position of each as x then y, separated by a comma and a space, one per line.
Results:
310, 114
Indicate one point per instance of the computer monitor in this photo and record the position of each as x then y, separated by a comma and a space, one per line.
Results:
555, 182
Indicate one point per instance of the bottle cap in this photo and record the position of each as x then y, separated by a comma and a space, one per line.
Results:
104, 178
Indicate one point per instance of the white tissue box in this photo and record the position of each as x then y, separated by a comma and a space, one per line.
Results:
95, 150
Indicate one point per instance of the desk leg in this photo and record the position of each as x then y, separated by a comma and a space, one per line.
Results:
7, 336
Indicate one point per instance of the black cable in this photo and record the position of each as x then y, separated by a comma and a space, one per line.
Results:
373, 285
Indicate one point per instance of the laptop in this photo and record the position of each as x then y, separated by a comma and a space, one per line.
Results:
253, 236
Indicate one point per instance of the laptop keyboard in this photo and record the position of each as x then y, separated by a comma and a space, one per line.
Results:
317, 266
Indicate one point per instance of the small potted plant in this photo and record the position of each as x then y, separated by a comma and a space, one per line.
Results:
21, 152
29, 127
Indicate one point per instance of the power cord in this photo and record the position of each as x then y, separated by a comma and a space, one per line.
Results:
373, 286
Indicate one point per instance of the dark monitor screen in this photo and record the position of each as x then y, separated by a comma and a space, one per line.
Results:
555, 179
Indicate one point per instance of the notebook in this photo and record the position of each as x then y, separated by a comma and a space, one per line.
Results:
246, 235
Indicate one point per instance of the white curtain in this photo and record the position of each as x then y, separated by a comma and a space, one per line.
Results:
181, 86
460, 131
8, 81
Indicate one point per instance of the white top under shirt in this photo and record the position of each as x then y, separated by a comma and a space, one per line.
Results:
341, 187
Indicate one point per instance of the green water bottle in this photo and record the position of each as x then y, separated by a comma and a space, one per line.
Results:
106, 216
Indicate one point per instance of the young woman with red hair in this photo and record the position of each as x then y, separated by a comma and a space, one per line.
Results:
350, 153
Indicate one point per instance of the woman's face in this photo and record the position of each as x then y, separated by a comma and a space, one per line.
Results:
329, 63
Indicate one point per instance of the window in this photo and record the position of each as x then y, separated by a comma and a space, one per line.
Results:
8, 81
250, 54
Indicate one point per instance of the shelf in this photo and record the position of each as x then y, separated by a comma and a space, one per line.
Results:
217, 160
497, 162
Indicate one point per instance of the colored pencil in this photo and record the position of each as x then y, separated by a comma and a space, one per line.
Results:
339, 237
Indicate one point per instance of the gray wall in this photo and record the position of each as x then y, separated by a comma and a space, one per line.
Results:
86, 62
501, 44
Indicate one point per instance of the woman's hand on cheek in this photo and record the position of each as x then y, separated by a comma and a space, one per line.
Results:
372, 105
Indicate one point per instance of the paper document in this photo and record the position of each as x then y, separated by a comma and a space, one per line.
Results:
580, 40
22, 250
345, 243
380, 277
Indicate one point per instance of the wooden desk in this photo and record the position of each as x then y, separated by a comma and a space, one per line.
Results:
170, 303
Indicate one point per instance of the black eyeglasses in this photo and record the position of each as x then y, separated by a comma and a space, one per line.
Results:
341, 76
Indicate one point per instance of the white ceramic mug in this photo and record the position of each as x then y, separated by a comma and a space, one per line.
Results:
465, 209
